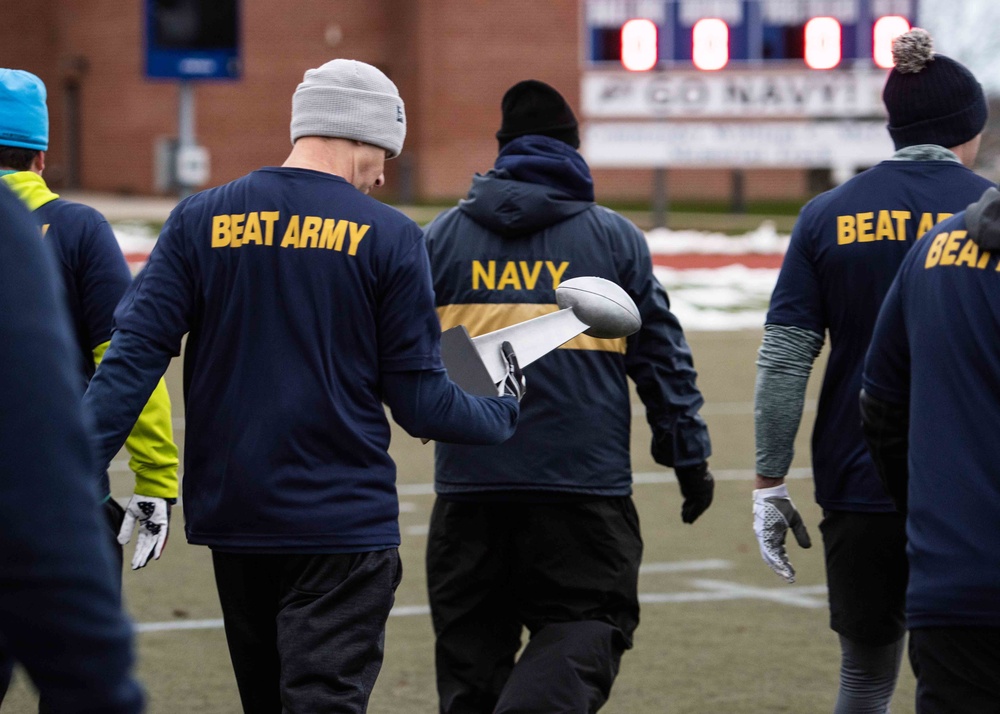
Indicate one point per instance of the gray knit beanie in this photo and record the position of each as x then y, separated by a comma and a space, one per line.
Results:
349, 100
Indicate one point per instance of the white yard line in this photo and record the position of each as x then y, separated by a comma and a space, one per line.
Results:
709, 591
798, 596
685, 566
788, 595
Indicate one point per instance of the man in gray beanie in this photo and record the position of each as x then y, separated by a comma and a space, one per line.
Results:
845, 250
307, 304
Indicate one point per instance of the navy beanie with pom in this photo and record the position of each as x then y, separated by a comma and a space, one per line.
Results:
931, 99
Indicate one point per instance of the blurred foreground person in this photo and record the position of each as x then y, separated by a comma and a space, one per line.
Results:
541, 532
931, 403
306, 303
845, 249
60, 607
95, 276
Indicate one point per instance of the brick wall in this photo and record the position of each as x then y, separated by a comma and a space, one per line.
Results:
452, 60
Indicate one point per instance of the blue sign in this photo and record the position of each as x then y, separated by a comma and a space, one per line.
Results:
192, 39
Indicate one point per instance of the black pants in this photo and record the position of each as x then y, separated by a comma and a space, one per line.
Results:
957, 668
866, 575
115, 516
306, 633
566, 571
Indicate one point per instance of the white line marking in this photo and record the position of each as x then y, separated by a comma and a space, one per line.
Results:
797, 596
407, 610
417, 530
178, 625
685, 566
415, 489
713, 591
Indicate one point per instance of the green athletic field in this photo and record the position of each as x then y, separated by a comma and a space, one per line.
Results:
719, 631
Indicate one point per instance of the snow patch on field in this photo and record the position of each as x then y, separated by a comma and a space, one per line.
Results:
730, 298
763, 239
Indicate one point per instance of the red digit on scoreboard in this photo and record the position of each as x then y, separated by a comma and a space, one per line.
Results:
822, 43
710, 44
886, 30
639, 51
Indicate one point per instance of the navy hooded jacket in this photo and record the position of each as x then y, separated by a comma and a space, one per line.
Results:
527, 225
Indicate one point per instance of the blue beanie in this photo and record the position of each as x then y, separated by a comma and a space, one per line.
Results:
24, 118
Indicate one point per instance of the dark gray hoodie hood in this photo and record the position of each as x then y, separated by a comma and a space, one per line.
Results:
982, 220
514, 208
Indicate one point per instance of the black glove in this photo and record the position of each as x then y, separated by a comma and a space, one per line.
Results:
513, 384
697, 487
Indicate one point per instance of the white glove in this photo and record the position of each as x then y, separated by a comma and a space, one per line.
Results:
153, 516
773, 514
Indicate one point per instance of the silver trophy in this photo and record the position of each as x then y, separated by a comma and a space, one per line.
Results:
588, 305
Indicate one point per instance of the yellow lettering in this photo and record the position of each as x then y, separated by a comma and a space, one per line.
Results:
984, 258
291, 237
846, 232
237, 223
555, 272
269, 218
333, 234
901, 218
310, 231
934, 253
221, 236
45, 229
883, 230
530, 276
926, 223
942, 216
251, 232
509, 277
865, 227
948, 253
479, 273
357, 233
969, 254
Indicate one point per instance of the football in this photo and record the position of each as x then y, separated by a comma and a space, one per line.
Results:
599, 303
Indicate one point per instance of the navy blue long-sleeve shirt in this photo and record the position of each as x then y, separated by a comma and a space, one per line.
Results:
60, 608
302, 299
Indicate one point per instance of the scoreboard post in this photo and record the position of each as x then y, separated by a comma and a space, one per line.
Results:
738, 84
188, 41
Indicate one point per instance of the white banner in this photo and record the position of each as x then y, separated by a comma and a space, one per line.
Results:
743, 93
840, 145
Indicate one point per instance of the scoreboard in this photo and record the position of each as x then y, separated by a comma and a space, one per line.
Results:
738, 83
709, 35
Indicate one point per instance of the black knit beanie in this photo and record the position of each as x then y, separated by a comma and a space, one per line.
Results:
533, 107
931, 99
